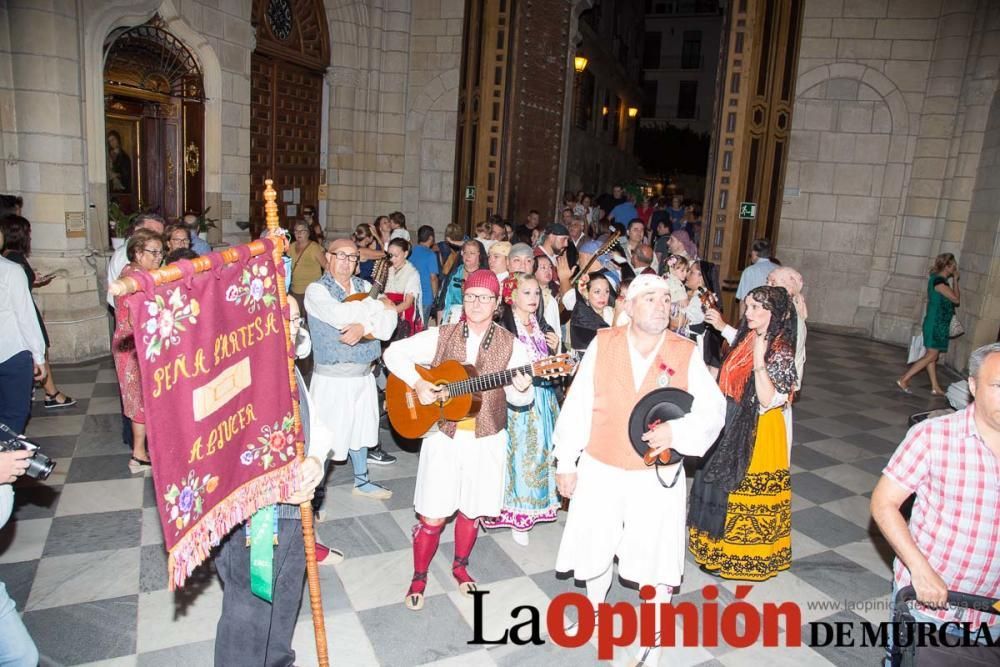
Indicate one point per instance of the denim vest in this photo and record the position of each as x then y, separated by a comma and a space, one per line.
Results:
327, 348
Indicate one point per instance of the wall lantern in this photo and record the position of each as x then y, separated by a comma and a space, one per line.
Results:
604, 110
579, 64
633, 112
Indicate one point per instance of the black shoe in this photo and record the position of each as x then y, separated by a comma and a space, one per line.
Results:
54, 402
380, 458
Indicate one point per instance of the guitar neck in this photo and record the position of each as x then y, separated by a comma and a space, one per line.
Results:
488, 381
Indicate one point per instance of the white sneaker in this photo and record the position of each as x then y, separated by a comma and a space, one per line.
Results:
520, 536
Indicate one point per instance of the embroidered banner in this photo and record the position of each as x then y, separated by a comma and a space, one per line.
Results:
218, 397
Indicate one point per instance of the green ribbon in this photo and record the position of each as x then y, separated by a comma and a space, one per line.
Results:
262, 539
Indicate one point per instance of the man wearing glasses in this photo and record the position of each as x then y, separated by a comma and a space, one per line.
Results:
462, 464
343, 390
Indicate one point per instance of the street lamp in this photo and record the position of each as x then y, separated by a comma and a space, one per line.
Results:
579, 63
633, 112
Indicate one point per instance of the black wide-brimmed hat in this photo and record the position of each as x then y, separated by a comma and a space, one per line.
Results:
656, 407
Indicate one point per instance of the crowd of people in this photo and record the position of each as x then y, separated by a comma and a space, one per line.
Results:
616, 280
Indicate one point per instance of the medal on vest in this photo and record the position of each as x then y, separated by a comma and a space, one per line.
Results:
665, 372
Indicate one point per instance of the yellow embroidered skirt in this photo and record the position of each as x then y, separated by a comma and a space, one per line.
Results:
757, 543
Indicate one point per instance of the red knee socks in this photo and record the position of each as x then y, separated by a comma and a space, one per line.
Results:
425, 543
466, 531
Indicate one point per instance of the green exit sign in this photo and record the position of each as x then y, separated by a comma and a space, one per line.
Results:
470, 192
748, 210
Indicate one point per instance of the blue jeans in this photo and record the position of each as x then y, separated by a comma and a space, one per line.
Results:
17, 377
16, 647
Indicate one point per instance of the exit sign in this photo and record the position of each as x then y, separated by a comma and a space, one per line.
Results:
470, 192
748, 210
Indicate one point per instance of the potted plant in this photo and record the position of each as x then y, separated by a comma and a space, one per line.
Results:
121, 222
205, 223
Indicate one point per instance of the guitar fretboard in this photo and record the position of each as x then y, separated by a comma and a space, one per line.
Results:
485, 382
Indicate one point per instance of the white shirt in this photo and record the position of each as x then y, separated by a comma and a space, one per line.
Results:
693, 433
115, 265
370, 313
419, 349
17, 311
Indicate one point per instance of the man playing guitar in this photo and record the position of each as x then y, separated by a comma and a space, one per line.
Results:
462, 463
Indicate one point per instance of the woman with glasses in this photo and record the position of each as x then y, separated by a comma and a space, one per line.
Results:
308, 260
369, 248
145, 253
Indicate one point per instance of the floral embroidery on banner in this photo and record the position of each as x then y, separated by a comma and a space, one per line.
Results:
257, 286
166, 321
186, 501
277, 440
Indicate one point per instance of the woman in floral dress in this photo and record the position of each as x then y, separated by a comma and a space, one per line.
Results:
145, 253
530, 490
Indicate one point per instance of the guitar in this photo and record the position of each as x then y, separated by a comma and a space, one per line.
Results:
411, 419
605, 248
379, 274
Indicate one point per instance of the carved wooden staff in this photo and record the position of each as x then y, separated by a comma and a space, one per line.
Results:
308, 532
171, 273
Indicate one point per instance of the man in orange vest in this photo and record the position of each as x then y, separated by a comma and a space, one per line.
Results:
620, 506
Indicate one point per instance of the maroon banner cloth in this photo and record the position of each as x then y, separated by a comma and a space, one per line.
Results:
217, 387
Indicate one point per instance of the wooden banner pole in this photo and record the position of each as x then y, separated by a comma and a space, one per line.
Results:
308, 529
168, 274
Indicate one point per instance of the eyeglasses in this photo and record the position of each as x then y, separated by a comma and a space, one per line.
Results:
181, 241
344, 257
295, 320
154, 253
481, 298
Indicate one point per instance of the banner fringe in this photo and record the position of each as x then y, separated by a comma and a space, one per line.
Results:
196, 546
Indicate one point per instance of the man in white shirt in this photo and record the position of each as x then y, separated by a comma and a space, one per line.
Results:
621, 508
22, 348
756, 273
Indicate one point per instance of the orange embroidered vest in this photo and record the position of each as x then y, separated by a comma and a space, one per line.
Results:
615, 394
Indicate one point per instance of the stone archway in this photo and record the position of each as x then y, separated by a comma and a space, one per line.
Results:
100, 22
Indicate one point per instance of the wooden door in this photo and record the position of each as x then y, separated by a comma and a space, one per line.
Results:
286, 102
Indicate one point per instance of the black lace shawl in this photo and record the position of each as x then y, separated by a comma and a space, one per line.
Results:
725, 465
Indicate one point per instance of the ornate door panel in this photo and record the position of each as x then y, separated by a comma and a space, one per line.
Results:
753, 122
286, 96
286, 102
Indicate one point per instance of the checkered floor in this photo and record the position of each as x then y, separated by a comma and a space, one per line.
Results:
82, 556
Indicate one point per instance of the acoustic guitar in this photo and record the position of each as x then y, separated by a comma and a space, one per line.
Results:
379, 274
411, 419
605, 248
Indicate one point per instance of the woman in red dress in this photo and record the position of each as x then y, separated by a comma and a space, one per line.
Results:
145, 253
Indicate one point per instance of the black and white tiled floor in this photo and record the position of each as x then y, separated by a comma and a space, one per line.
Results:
82, 556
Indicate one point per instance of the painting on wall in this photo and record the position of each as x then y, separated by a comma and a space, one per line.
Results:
122, 159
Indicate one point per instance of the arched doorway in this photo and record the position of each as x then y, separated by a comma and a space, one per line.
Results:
286, 98
154, 121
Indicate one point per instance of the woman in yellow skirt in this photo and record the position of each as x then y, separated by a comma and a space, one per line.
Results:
740, 514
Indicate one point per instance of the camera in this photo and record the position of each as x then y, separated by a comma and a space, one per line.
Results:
39, 465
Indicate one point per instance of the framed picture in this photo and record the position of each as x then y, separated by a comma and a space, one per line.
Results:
122, 159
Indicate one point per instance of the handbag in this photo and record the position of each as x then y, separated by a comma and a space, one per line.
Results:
955, 328
917, 349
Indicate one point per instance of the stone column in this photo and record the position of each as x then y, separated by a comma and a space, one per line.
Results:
41, 108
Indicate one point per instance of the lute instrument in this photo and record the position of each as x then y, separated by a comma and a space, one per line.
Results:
412, 419
379, 274
605, 248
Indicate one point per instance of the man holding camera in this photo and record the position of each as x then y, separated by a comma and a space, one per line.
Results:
22, 351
